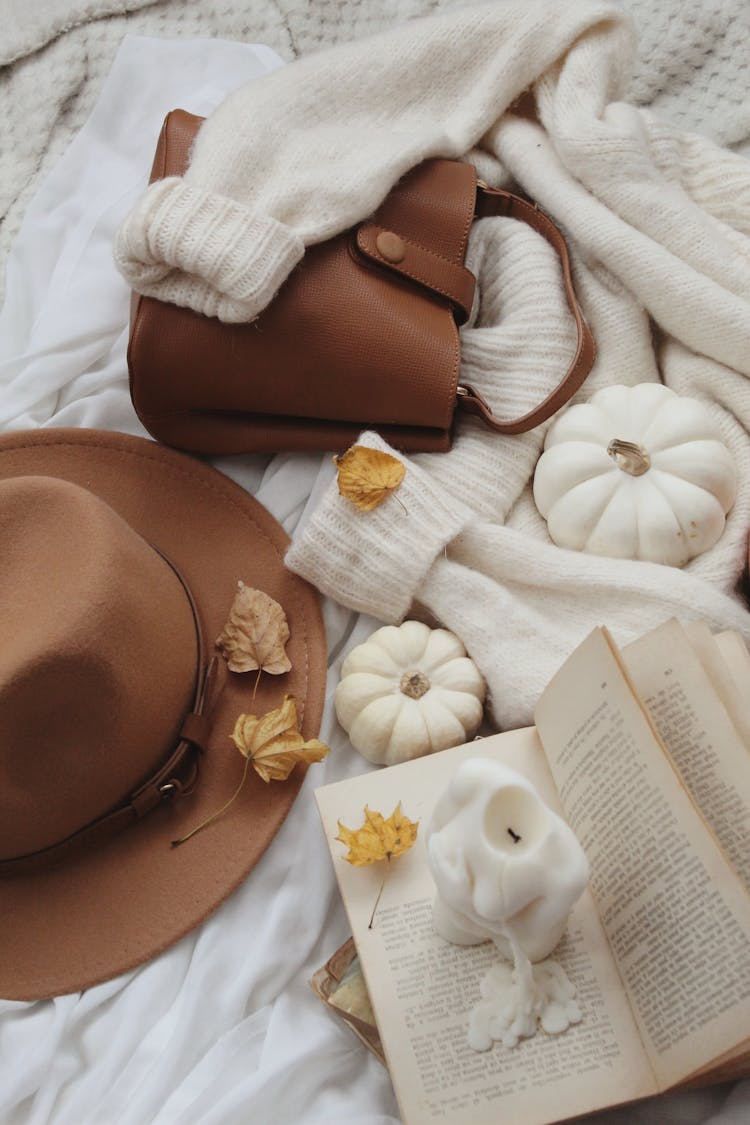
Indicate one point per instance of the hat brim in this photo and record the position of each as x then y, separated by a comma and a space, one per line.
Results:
86, 920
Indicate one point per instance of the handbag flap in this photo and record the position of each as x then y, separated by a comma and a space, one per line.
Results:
433, 205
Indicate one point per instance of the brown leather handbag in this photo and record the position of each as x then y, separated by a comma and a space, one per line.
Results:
363, 334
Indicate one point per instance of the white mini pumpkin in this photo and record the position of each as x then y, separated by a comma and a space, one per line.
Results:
637, 472
408, 690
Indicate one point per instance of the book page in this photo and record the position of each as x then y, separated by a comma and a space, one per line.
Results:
730, 682
423, 988
706, 749
734, 651
677, 918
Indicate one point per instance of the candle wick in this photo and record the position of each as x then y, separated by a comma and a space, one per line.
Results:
513, 835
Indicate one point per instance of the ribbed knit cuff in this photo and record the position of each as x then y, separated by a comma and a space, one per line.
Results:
375, 561
204, 250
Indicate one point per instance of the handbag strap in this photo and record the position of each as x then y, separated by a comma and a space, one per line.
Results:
496, 201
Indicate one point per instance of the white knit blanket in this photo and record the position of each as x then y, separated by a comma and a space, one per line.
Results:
222, 1028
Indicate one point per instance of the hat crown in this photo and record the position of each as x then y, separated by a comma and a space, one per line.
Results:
98, 663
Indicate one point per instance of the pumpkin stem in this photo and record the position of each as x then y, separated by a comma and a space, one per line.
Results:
414, 684
629, 457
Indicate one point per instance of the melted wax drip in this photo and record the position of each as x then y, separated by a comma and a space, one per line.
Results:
517, 998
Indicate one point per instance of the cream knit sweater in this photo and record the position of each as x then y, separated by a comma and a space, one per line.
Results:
312, 149
659, 224
55, 54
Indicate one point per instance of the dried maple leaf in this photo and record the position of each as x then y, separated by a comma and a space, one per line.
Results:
378, 838
367, 476
273, 743
255, 633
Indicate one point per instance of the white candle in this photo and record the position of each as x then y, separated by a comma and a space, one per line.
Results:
502, 858
509, 869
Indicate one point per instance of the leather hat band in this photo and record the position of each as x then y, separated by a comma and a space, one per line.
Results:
176, 776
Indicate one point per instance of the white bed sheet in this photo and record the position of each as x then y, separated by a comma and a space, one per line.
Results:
222, 1028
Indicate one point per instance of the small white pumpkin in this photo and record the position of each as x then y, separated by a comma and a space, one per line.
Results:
638, 473
408, 690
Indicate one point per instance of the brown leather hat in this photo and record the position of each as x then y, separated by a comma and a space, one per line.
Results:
119, 563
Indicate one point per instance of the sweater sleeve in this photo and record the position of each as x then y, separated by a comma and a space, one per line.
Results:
203, 250
376, 561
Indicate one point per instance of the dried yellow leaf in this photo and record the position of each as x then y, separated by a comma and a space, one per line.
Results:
367, 476
378, 838
273, 743
255, 633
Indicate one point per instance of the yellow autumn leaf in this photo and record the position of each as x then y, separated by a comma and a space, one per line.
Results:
378, 838
273, 743
255, 633
366, 476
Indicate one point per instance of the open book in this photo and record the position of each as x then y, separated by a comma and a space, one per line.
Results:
646, 754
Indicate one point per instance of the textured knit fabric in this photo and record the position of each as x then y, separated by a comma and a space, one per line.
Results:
685, 58
659, 223
300, 156
296, 158
55, 54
